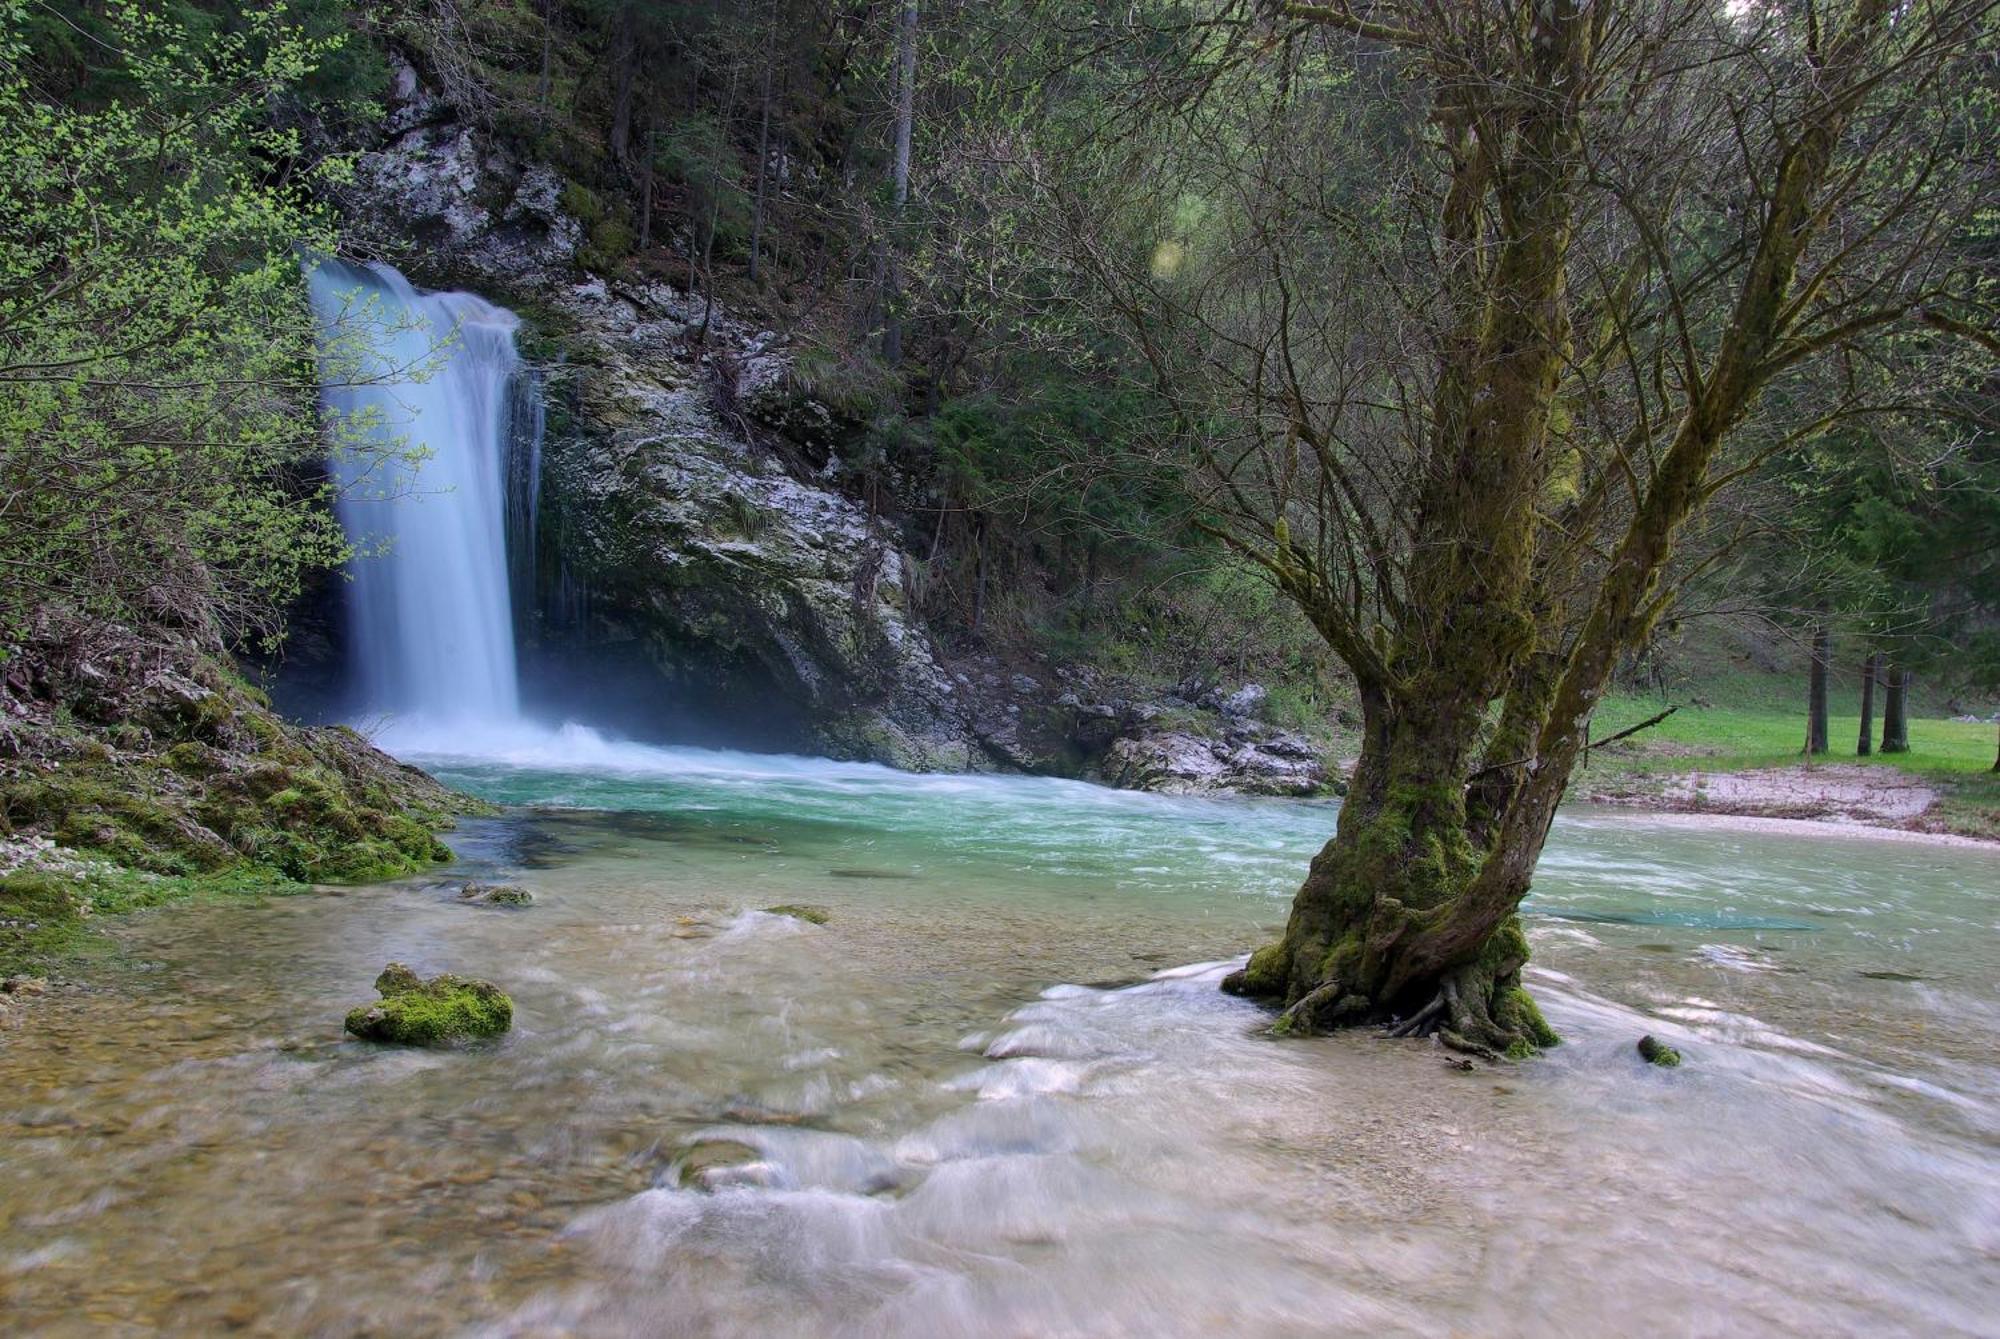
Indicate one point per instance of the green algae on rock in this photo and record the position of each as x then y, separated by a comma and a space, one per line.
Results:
495, 895
416, 1012
1656, 1052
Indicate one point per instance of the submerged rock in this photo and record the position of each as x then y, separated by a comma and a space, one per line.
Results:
1656, 1052
799, 912
713, 1160
495, 895
416, 1012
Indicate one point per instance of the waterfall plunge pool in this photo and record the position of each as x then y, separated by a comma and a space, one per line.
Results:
998, 1092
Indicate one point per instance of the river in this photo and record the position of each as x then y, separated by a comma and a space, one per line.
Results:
998, 1092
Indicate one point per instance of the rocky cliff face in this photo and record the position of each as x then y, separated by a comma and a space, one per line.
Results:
691, 490
722, 561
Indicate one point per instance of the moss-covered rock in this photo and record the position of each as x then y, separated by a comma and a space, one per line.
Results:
1656, 1052
495, 895
799, 912
416, 1012
168, 762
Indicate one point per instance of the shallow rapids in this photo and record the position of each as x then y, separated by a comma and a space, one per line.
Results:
999, 1094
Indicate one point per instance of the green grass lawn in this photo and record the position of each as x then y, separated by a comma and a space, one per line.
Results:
1955, 757
1763, 736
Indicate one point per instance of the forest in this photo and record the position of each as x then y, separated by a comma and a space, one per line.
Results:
747, 550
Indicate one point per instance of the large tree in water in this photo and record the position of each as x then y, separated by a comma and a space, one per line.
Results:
1466, 309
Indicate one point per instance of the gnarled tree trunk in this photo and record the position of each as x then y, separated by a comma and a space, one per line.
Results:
1409, 915
1406, 850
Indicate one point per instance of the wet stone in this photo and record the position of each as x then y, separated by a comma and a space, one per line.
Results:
416, 1012
1656, 1052
812, 915
495, 895
703, 1164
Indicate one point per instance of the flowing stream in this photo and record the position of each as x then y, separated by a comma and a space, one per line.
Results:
998, 1092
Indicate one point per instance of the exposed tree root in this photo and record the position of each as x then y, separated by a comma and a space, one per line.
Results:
1478, 1009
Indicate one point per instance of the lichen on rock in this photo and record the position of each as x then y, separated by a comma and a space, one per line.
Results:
416, 1012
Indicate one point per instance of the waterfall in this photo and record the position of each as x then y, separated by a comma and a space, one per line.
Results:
431, 617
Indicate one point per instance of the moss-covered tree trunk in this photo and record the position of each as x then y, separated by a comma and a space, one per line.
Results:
1409, 916
1406, 850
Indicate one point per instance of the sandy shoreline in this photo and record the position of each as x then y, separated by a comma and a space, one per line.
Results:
1712, 821
1825, 800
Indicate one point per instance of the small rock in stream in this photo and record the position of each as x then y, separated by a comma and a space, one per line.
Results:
798, 912
1656, 1052
495, 895
416, 1012
711, 1160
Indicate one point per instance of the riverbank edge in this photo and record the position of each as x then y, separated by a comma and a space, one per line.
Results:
1879, 800
135, 773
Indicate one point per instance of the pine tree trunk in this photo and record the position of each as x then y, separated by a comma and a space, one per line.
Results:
1871, 669
545, 81
1822, 651
1895, 711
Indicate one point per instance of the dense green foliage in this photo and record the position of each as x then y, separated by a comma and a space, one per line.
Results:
158, 444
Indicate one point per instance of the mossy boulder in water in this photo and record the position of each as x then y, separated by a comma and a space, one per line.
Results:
416, 1012
1656, 1052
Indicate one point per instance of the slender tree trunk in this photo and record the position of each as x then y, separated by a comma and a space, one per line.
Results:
763, 168
1895, 711
1871, 669
1822, 652
624, 78
545, 82
1996, 754
899, 181
646, 190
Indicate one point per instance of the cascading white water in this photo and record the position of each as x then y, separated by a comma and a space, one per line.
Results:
431, 620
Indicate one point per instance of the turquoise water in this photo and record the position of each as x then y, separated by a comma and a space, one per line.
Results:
998, 1092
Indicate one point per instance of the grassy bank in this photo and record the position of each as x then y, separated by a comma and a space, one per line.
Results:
1764, 727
